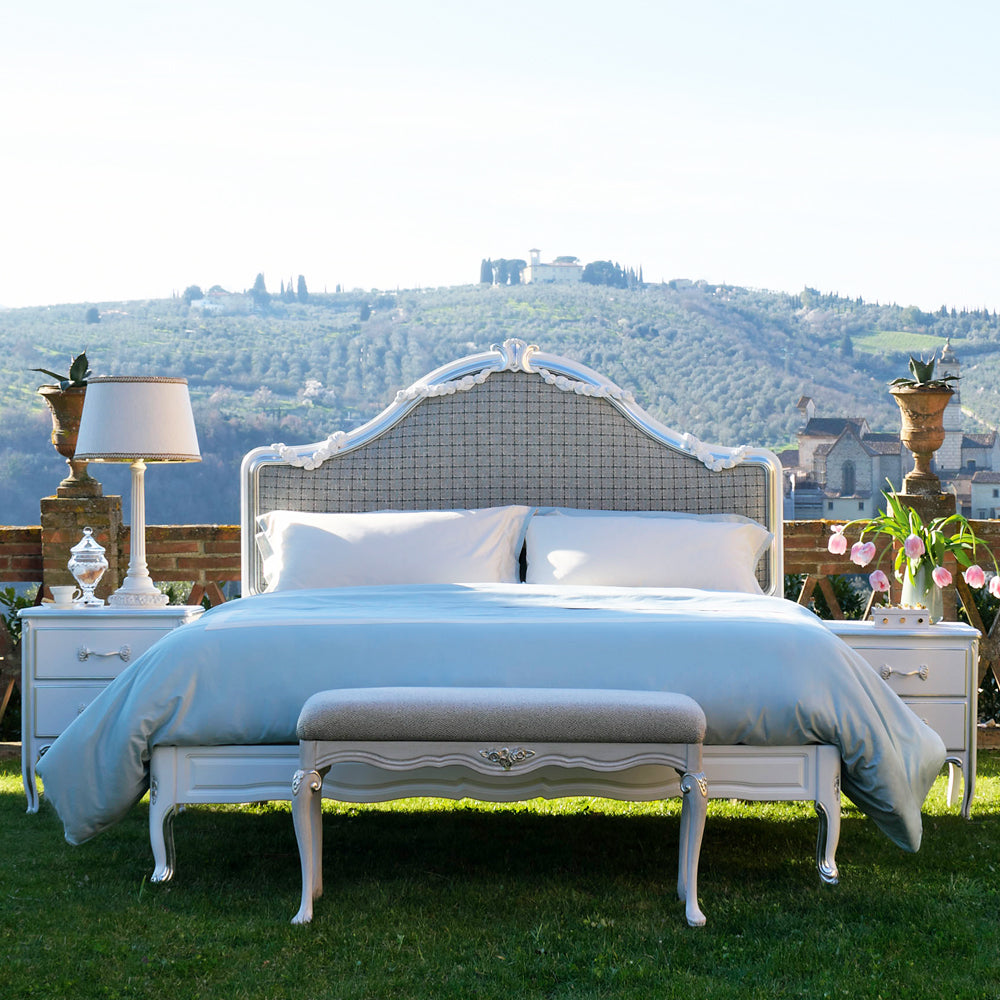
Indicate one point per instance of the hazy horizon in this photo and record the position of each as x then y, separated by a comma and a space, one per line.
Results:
389, 145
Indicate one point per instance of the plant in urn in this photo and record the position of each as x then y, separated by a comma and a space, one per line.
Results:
65, 399
922, 401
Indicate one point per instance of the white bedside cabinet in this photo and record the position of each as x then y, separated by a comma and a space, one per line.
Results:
68, 656
935, 670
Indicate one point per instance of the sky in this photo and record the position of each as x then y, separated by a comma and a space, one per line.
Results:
853, 147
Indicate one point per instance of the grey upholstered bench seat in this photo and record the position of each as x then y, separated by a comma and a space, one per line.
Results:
495, 731
569, 715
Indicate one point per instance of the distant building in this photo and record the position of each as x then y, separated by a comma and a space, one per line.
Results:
561, 271
949, 455
223, 304
840, 467
984, 495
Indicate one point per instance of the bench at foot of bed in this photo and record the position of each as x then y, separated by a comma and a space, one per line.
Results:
500, 732
206, 775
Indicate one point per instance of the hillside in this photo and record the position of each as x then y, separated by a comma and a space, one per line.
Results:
726, 363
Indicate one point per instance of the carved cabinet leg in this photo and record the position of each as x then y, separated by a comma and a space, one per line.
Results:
162, 809
828, 811
161, 834
957, 768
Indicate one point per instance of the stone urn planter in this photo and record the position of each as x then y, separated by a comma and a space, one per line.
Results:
922, 410
922, 400
65, 401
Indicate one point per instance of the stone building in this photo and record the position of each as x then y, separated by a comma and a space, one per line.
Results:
840, 467
561, 271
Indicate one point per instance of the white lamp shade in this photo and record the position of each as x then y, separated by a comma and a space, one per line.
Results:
126, 418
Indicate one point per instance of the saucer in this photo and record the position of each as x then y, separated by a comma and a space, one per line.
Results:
54, 604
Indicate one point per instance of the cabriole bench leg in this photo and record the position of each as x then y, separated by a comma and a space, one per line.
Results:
307, 804
694, 809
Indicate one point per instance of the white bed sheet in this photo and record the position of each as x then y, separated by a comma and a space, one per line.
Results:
766, 672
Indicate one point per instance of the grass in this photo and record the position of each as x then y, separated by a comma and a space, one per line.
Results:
900, 341
438, 900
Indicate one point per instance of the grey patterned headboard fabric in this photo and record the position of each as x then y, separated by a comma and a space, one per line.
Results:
534, 429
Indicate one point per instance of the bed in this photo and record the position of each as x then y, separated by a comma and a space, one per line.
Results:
512, 519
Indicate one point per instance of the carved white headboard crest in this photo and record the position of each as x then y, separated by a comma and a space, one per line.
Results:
516, 355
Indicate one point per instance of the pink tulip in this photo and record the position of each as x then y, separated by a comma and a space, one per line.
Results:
974, 576
914, 547
837, 543
879, 582
995, 585
941, 576
862, 553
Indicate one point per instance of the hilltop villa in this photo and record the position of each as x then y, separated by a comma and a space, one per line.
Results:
561, 271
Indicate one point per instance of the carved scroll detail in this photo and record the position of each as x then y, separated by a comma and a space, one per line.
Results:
313, 781
506, 757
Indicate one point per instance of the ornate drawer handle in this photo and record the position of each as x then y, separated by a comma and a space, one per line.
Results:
887, 672
125, 653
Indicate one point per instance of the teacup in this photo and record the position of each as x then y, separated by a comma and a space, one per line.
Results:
64, 597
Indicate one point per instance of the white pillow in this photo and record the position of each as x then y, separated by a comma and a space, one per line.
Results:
636, 550
303, 550
668, 514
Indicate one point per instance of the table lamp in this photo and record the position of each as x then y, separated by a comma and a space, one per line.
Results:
137, 419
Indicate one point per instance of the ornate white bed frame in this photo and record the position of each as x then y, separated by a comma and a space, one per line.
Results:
509, 426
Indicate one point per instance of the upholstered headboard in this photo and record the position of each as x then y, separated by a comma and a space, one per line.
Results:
512, 426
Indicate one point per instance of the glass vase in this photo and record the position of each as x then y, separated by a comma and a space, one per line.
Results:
87, 564
920, 591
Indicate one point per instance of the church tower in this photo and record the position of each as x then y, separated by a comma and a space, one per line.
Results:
949, 455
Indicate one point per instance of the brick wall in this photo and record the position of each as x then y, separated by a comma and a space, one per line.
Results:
806, 551
203, 553
63, 521
206, 555
20, 554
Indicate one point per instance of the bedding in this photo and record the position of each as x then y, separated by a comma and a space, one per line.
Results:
627, 550
305, 550
766, 672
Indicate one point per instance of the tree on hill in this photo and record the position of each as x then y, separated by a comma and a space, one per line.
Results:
93, 315
301, 292
506, 272
603, 272
191, 293
259, 293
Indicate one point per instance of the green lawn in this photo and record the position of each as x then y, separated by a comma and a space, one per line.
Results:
901, 341
439, 900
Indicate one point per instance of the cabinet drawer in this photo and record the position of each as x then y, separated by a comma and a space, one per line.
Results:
947, 718
57, 705
919, 671
91, 652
